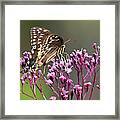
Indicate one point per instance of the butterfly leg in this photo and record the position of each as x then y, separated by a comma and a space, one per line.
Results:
65, 53
59, 54
44, 69
62, 52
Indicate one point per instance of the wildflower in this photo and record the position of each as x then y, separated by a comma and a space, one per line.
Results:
29, 76
61, 64
52, 98
77, 91
35, 77
49, 82
68, 66
39, 71
25, 61
94, 45
87, 85
53, 68
59, 73
98, 86
64, 94
51, 76
69, 81
23, 78
62, 79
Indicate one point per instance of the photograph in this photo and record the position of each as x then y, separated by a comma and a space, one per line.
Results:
59, 60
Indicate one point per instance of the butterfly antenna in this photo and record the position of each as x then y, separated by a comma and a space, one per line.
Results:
67, 41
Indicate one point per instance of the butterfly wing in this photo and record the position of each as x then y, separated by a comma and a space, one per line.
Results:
45, 45
38, 38
48, 56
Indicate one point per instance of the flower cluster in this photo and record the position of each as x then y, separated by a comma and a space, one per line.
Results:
59, 72
29, 72
59, 75
25, 61
86, 65
83, 59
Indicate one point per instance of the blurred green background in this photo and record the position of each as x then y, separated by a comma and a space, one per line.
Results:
82, 33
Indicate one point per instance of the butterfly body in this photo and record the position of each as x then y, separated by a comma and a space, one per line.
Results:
45, 45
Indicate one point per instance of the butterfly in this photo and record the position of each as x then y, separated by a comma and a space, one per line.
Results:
45, 45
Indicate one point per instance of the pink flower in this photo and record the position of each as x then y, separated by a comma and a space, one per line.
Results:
64, 94
61, 63
98, 86
49, 82
94, 45
69, 81
23, 81
87, 85
62, 78
35, 77
78, 89
52, 98
39, 72
51, 75
53, 68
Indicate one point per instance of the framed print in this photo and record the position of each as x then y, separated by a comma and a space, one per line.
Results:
59, 59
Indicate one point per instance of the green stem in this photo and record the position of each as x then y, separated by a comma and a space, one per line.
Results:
33, 92
82, 83
27, 95
41, 92
94, 80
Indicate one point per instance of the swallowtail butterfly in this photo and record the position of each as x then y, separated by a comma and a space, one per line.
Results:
45, 45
